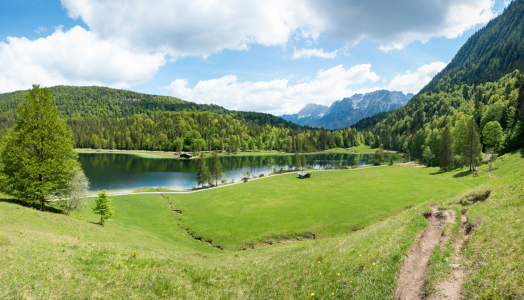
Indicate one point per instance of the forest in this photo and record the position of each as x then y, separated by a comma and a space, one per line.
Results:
105, 118
421, 123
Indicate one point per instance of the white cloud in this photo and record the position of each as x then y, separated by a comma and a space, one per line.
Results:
307, 53
197, 27
41, 29
276, 96
414, 82
74, 57
202, 27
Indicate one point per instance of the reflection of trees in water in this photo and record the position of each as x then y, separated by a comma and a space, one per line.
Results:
114, 163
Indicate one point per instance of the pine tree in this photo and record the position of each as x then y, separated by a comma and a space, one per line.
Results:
203, 174
216, 168
298, 161
38, 156
103, 207
445, 152
471, 147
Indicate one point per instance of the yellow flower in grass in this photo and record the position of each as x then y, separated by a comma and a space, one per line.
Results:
312, 294
332, 294
373, 263
338, 274
319, 262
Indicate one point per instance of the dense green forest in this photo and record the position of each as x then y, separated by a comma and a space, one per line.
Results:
105, 118
420, 124
484, 82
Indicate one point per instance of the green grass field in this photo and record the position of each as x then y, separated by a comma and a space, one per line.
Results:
284, 207
143, 254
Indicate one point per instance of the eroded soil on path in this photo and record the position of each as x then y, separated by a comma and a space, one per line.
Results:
410, 284
450, 289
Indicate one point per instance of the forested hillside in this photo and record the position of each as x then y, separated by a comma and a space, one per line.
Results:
421, 124
105, 118
482, 82
492, 52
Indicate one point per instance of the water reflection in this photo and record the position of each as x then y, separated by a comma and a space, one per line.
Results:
122, 171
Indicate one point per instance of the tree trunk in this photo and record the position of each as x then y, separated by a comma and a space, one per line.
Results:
42, 203
101, 220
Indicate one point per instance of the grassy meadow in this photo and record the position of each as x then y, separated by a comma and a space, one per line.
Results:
283, 207
143, 254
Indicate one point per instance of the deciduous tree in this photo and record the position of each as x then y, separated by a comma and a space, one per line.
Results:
38, 154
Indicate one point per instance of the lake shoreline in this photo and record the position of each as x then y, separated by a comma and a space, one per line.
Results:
174, 155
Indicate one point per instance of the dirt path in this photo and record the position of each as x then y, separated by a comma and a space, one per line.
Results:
410, 284
450, 289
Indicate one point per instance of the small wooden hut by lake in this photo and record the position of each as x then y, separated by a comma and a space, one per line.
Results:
303, 175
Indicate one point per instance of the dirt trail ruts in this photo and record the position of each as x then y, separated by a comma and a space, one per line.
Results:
450, 289
410, 284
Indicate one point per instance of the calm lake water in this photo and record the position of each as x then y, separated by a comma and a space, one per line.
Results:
112, 171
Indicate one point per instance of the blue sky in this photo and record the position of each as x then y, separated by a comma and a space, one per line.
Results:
270, 56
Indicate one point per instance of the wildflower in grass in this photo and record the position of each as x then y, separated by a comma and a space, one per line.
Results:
312, 294
373, 263
332, 294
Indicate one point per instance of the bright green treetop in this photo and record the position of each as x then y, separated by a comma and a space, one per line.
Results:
103, 207
492, 135
38, 153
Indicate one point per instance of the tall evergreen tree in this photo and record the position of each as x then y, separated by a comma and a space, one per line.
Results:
445, 152
216, 168
38, 155
471, 147
303, 161
203, 174
298, 161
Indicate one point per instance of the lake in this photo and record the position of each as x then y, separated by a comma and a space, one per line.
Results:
112, 171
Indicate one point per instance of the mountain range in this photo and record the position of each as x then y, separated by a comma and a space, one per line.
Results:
348, 111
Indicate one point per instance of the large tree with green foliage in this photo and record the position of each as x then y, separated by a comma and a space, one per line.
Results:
445, 152
38, 153
471, 147
203, 175
216, 168
428, 156
103, 207
492, 136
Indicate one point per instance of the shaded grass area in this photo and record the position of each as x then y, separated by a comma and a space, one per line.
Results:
282, 207
142, 254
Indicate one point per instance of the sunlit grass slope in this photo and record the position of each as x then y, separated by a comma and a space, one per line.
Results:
494, 255
142, 254
283, 207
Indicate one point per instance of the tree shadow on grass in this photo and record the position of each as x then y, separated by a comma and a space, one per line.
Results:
522, 152
438, 172
32, 204
462, 174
